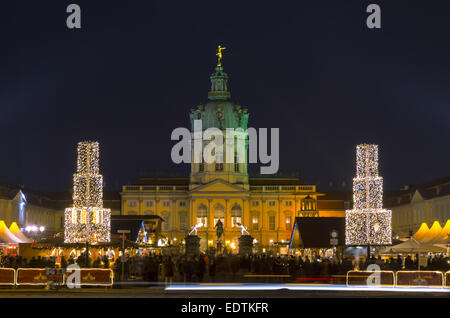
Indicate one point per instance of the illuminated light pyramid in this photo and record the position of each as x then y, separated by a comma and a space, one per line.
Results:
87, 220
368, 223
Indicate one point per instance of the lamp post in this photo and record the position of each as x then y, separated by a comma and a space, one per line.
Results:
123, 232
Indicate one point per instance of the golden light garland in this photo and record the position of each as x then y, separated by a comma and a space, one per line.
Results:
87, 220
368, 223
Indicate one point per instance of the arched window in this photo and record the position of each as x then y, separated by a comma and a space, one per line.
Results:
236, 215
219, 213
288, 220
166, 224
202, 215
183, 218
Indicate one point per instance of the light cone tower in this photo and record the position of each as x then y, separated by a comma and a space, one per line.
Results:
87, 220
368, 223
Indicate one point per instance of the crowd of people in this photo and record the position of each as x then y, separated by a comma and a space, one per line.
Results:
182, 268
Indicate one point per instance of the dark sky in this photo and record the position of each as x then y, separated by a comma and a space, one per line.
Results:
311, 68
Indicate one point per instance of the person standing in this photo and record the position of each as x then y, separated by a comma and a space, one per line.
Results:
168, 270
212, 269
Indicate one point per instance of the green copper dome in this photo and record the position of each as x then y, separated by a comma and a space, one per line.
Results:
219, 111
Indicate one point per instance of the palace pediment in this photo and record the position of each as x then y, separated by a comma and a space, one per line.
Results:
218, 186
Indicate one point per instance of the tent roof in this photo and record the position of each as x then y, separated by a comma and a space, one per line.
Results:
6, 236
413, 246
443, 236
433, 233
14, 228
446, 228
421, 232
315, 232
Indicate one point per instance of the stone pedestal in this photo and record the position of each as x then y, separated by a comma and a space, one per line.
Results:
192, 245
219, 247
245, 244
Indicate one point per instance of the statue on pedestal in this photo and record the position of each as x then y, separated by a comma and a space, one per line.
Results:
219, 232
194, 228
243, 229
219, 229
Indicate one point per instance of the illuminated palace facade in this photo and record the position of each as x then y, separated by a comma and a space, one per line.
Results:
267, 206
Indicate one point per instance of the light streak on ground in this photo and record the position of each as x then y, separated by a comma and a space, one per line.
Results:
313, 287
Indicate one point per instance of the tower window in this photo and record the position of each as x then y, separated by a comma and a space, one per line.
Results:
219, 161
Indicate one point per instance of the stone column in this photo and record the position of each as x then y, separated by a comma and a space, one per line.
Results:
246, 218
225, 220
279, 219
191, 214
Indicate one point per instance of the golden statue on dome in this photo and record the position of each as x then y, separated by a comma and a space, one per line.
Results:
219, 55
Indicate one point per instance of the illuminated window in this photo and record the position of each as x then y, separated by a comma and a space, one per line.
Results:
288, 223
255, 223
202, 215
255, 203
149, 203
271, 203
236, 215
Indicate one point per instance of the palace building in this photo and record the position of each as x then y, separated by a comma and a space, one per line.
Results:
266, 205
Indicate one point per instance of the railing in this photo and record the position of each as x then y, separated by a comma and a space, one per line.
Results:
401, 278
161, 188
167, 188
281, 188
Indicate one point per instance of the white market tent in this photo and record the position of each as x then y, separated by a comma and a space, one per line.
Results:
413, 246
14, 228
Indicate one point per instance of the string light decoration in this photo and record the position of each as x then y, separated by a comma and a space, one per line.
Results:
368, 223
87, 220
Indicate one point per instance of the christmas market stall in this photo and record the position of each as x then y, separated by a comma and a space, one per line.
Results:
318, 236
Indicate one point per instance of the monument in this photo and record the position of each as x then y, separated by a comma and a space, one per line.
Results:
245, 241
193, 241
219, 232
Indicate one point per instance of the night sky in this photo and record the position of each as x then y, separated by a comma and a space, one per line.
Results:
311, 68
